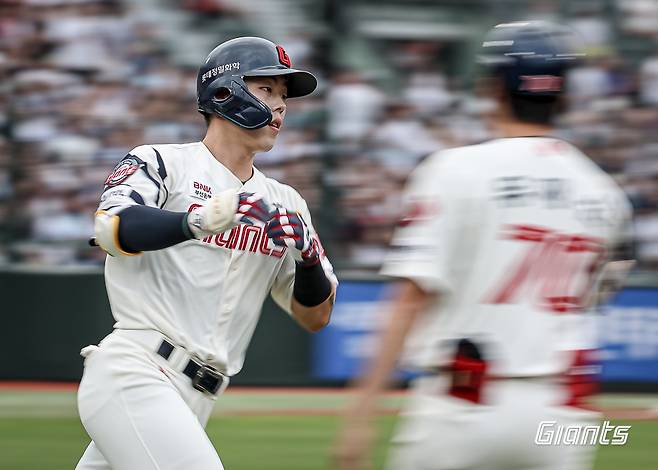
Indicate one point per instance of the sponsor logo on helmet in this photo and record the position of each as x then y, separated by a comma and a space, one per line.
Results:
540, 83
220, 69
122, 171
283, 57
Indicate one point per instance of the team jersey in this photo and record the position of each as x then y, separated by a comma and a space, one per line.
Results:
206, 295
512, 234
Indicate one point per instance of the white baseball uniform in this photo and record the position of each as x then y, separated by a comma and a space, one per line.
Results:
204, 296
512, 234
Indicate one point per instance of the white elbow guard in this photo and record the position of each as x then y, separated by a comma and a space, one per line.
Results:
106, 231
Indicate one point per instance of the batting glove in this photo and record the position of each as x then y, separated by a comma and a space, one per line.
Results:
287, 228
226, 210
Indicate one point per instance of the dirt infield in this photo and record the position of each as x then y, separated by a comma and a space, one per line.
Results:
18, 385
273, 401
635, 414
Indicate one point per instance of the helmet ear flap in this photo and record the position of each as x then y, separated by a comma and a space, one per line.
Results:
234, 102
222, 94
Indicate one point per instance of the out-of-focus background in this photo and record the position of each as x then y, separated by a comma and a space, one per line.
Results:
84, 81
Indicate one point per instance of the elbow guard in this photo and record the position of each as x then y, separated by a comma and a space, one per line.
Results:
106, 230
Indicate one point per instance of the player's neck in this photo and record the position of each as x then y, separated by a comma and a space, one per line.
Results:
511, 128
231, 151
505, 124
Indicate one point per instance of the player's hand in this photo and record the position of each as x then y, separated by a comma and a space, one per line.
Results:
287, 228
353, 448
226, 210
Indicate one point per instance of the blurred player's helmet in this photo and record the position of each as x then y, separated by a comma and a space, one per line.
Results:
531, 58
221, 88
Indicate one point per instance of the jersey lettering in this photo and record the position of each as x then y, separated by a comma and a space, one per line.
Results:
251, 238
521, 191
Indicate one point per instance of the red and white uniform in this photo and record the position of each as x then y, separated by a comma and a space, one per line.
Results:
205, 296
512, 234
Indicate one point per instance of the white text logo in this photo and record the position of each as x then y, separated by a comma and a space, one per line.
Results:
550, 433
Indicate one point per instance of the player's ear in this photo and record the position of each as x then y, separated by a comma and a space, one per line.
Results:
489, 86
497, 88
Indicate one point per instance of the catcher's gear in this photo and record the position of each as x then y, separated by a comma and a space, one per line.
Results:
225, 69
226, 210
531, 56
287, 228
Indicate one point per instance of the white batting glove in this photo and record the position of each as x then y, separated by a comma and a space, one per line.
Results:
226, 210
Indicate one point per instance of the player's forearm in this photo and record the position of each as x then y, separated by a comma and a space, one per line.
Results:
611, 280
313, 319
408, 302
143, 228
313, 297
140, 228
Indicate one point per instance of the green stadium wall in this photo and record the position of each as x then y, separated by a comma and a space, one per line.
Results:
49, 316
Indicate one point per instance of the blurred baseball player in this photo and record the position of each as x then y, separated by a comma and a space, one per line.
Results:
498, 259
197, 238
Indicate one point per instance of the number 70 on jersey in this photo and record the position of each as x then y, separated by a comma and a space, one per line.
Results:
557, 271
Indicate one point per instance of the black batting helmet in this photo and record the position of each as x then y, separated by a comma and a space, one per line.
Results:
227, 66
531, 56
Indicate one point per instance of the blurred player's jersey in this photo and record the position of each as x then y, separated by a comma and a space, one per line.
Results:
512, 234
206, 295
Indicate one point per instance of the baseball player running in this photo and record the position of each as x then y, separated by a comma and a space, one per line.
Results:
197, 238
498, 259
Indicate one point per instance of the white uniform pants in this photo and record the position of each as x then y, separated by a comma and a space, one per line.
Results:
441, 432
140, 411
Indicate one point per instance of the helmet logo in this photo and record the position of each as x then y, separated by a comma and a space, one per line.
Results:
283, 57
540, 83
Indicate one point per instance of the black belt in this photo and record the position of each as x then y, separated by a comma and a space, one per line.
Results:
205, 378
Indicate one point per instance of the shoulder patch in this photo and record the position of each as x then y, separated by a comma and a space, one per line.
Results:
126, 167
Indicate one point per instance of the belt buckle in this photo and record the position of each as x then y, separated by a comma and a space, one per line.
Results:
208, 379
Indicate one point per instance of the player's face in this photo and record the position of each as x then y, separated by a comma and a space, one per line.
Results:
273, 92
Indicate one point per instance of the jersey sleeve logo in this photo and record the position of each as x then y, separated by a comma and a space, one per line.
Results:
122, 171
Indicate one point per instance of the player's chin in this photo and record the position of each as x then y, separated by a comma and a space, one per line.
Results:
265, 142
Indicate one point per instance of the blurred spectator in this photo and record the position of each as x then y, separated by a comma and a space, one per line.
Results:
649, 78
84, 81
588, 82
638, 16
354, 104
592, 27
402, 135
90, 80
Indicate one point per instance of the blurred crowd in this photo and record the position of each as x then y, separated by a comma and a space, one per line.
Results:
611, 113
84, 81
